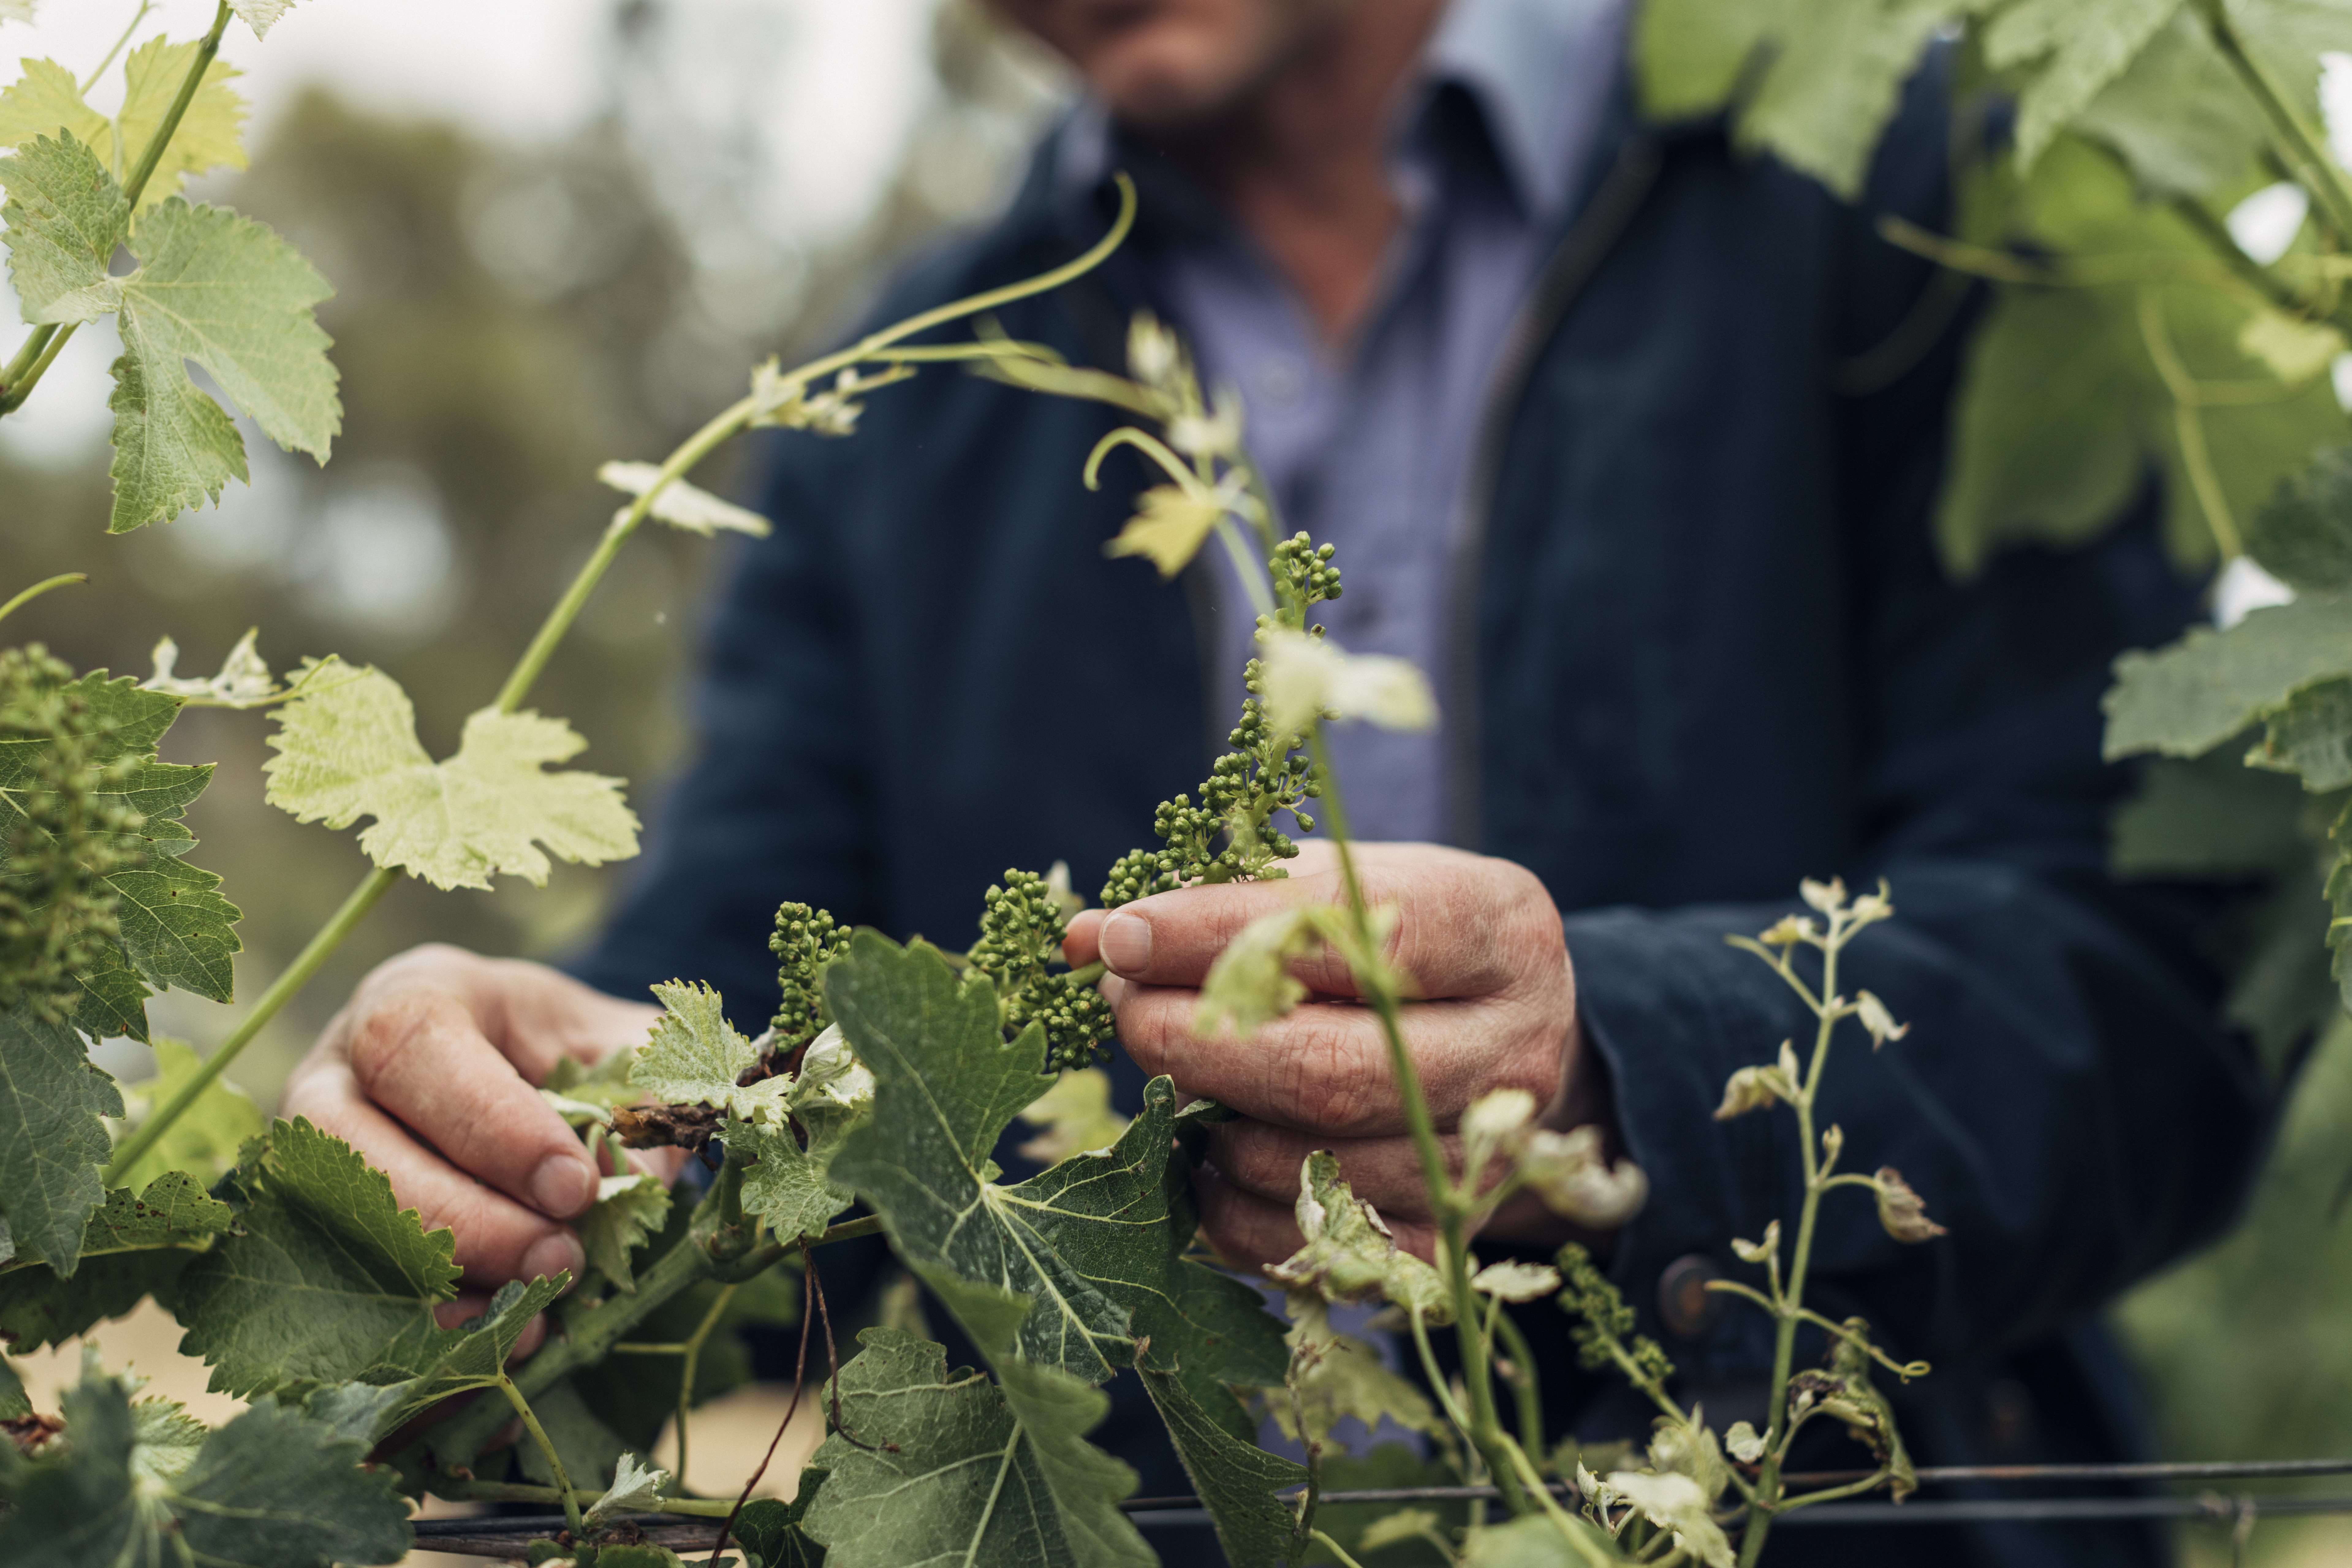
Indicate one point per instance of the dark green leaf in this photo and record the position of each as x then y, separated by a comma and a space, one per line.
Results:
208, 1134
1095, 1241
331, 1277
174, 1210
38, 1309
273, 1489
770, 1530
2209, 818
51, 1139
943, 1460
589, 1449
2185, 700
1383, 1466
2310, 736
2303, 533
13, 1400
1237, 1479
472, 1355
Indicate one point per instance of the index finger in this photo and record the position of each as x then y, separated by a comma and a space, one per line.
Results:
1467, 925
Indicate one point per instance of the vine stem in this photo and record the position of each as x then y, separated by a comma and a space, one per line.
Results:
136, 17
296, 975
686, 1370
534, 659
2189, 427
1486, 1430
547, 1446
1790, 1300
520, 1492
39, 588
40, 350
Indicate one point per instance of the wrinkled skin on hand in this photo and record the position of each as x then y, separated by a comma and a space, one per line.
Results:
1494, 1007
430, 1071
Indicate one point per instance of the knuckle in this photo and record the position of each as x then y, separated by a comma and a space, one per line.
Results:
1323, 1078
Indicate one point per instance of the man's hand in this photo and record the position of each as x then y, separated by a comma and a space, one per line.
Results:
1479, 945
430, 1070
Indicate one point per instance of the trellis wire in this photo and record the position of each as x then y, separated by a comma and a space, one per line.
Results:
505, 1537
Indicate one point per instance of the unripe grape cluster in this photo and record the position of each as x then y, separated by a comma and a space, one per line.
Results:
806, 940
1021, 928
69, 832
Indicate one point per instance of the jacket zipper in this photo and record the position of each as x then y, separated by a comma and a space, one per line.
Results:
1565, 272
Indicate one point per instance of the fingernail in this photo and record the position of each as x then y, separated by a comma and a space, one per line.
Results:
1127, 944
552, 1255
563, 1185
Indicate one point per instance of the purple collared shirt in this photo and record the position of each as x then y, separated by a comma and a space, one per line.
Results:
1366, 443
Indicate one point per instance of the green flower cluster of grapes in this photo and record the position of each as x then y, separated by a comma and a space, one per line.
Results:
1264, 773
1604, 1328
64, 836
806, 940
1022, 924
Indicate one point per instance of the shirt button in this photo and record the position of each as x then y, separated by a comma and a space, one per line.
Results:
1686, 1305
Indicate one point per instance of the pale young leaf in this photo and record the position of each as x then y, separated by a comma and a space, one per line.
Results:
347, 748
1763, 1251
1516, 1281
694, 1056
1306, 676
1171, 525
1875, 1019
211, 133
1902, 1212
1571, 1173
244, 680
17, 10
1076, 1117
636, 1488
261, 15
165, 1440
1493, 1117
1250, 983
1753, 1088
790, 1186
1214, 433
47, 99
2291, 350
1824, 897
1677, 1502
1334, 1376
1349, 1254
628, 1209
682, 505
64, 215
1745, 1444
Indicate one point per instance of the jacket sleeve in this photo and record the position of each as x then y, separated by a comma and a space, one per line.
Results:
2066, 1102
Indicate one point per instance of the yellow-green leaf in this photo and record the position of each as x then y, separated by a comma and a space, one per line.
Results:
347, 748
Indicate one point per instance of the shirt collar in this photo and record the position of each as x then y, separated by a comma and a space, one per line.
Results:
1540, 71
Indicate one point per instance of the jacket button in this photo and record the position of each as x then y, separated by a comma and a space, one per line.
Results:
1686, 1305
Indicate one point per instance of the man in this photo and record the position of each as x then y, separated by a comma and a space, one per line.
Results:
1562, 387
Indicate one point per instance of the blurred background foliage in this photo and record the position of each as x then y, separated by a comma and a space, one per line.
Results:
505, 318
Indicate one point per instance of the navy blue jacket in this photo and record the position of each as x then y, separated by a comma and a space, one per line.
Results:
1703, 648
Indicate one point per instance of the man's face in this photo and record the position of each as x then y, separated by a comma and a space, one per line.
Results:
1171, 65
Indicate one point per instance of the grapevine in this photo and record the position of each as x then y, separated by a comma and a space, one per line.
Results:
891, 1071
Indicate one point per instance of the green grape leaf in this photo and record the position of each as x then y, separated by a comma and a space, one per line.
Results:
2303, 533
2178, 117
2073, 49
788, 1188
682, 505
1096, 1241
591, 1450
210, 135
2209, 818
347, 748
331, 1277
770, 1530
1334, 1376
174, 447
2188, 698
1689, 55
273, 1489
1076, 1117
627, 1210
473, 1354
226, 292
2310, 734
1349, 1255
47, 99
693, 1056
64, 215
208, 1134
1536, 1541
174, 1210
2061, 407
946, 1460
1237, 1479
165, 1440
14, 1401
37, 1307
174, 927
51, 1139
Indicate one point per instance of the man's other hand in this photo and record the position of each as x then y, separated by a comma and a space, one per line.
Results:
430, 1071
1479, 945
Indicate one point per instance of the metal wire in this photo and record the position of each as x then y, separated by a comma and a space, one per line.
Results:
505, 1537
